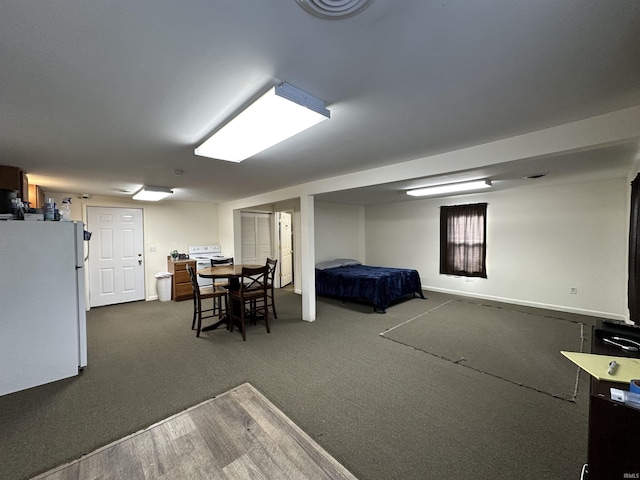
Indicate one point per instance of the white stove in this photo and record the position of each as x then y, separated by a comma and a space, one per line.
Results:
203, 254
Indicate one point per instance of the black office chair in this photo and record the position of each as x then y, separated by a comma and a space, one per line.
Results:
250, 298
218, 294
271, 302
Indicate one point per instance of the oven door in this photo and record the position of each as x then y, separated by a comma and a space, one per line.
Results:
200, 264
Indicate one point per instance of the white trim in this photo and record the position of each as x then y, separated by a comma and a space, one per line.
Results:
559, 308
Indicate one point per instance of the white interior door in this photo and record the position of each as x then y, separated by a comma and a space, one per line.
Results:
286, 249
116, 264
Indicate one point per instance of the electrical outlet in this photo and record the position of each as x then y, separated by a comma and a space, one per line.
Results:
573, 290
152, 249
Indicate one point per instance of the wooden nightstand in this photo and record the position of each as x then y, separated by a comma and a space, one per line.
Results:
180, 282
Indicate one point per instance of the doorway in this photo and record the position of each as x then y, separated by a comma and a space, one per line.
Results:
116, 263
285, 248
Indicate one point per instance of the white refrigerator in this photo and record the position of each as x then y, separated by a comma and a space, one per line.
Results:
43, 332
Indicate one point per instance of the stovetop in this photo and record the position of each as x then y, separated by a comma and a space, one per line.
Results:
204, 251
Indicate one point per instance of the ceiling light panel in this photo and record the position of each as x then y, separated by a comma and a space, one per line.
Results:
152, 194
450, 188
282, 112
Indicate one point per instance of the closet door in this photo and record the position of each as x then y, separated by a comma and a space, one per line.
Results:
256, 237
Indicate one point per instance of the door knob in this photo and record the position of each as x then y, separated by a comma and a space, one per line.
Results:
140, 262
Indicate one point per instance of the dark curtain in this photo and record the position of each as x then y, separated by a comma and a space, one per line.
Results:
634, 250
463, 247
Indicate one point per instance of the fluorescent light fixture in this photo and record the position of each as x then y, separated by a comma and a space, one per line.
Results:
152, 194
281, 113
450, 188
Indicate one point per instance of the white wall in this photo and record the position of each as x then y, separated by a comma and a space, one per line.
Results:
339, 231
540, 241
609, 129
167, 226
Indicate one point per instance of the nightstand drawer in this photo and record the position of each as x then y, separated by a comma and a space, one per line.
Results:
183, 290
180, 267
182, 276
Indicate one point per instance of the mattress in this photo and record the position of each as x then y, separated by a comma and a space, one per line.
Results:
379, 286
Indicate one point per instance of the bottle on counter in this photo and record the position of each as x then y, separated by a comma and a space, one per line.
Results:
65, 210
17, 208
50, 209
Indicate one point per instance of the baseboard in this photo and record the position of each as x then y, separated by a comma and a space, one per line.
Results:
526, 303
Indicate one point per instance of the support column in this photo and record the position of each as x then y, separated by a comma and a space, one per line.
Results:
307, 231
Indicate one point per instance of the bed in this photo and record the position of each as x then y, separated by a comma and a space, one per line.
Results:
380, 286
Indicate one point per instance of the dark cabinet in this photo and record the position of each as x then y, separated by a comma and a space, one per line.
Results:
13, 178
614, 428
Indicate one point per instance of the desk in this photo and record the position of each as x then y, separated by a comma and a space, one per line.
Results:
613, 442
233, 273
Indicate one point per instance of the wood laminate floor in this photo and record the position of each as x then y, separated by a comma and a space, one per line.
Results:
237, 435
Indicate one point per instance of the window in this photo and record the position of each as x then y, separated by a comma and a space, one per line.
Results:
463, 247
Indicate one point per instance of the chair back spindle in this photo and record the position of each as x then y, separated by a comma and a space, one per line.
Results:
271, 278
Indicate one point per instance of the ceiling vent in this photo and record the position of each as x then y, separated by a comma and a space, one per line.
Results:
334, 9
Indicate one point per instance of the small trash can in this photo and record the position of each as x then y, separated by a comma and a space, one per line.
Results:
163, 285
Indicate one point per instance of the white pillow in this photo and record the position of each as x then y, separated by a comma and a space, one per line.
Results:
345, 262
328, 264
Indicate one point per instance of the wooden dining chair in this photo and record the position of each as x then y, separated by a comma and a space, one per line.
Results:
217, 294
250, 298
271, 276
221, 282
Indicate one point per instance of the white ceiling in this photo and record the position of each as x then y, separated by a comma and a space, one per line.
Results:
101, 97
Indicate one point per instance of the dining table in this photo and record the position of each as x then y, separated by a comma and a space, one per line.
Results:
231, 272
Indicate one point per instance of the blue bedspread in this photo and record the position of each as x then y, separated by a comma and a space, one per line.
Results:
377, 285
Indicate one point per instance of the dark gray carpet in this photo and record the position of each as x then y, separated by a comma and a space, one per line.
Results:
382, 409
519, 347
